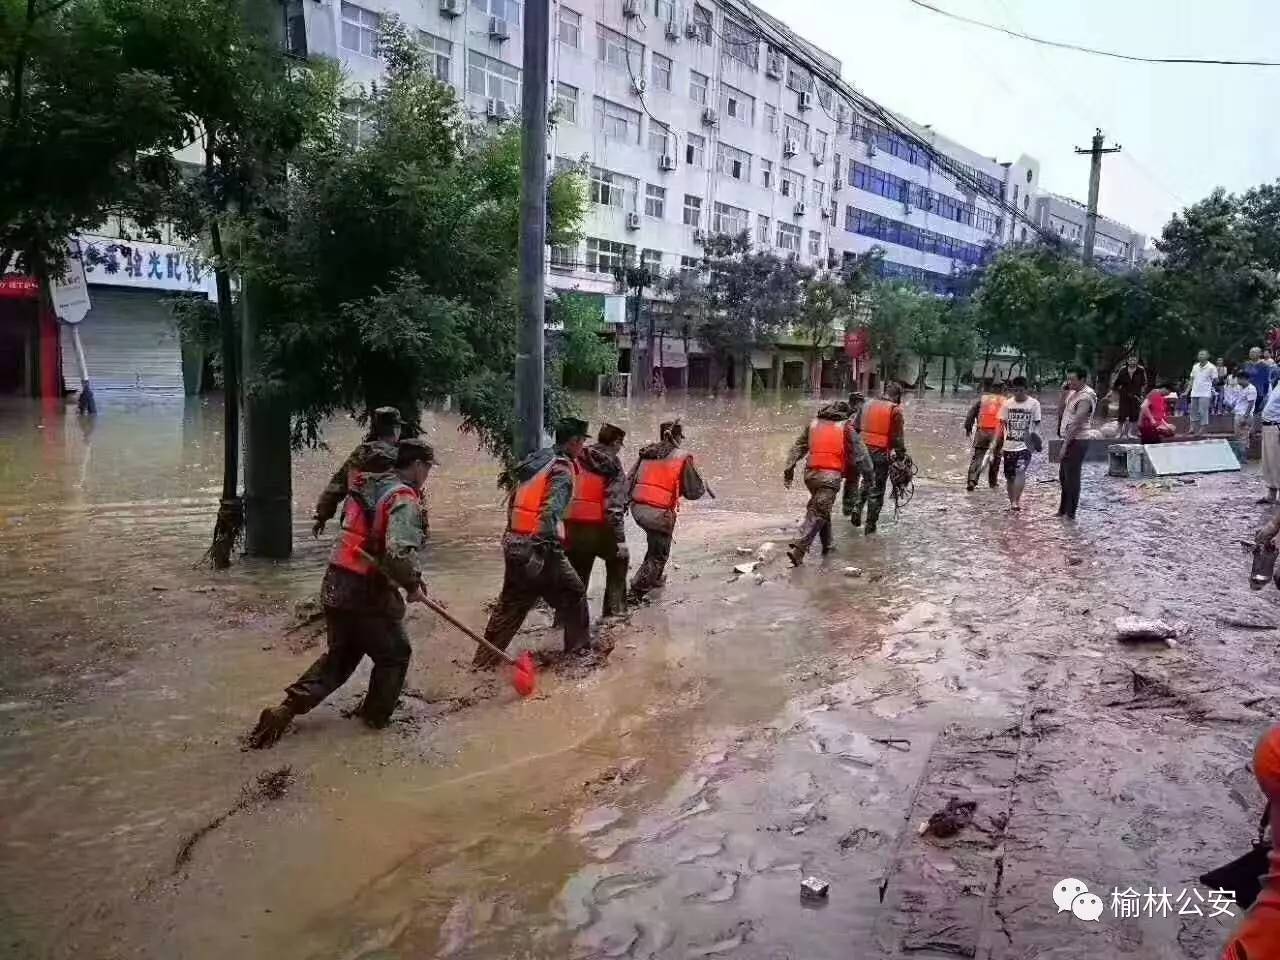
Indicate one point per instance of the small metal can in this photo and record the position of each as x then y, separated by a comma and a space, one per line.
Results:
811, 888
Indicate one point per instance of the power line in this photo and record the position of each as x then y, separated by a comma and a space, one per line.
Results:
1092, 50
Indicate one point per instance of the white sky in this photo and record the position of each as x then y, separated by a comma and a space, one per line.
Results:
1184, 129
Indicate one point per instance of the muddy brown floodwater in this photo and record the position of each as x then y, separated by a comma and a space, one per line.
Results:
744, 733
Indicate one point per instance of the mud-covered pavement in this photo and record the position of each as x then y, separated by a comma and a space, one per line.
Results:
743, 733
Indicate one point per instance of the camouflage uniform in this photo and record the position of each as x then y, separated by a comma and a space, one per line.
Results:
364, 614
824, 485
536, 568
376, 454
585, 542
658, 524
871, 492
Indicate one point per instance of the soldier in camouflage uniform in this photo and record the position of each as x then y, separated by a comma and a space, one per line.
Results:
595, 525
384, 428
535, 565
852, 483
661, 476
834, 453
375, 556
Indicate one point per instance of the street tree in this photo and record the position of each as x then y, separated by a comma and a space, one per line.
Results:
824, 313
583, 352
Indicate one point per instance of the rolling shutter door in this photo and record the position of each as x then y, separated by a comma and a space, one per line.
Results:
130, 345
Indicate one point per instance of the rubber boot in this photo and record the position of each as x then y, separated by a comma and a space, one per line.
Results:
272, 723
1264, 565
856, 518
870, 528
795, 554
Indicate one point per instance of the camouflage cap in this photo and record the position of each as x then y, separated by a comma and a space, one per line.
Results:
611, 433
571, 428
377, 456
414, 450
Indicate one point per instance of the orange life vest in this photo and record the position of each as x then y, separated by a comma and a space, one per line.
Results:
826, 445
531, 497
589, 491
877, 424
358, 534
989, 412
658, 482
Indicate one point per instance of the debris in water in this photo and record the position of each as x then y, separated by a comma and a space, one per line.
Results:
952, 818
745, 568
1137, 629
853, 571
270, 785
811, 888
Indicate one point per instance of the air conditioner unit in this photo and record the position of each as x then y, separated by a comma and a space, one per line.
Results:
493, 109
871, 146
800, 208
906, 206
451, 8
773, 67
666, 162
639, 85
773, 124
630, 8
837, 185
691, 30
510, 111
699, 236
805, 100
633, 221
818, 160
790, 148
826, 213
672, 31
709, 116
498, 29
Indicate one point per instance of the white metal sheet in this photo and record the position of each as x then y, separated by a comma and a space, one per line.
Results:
1196, 456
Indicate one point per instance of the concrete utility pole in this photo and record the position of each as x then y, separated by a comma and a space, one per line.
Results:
268, 463
533, 229
1095, 181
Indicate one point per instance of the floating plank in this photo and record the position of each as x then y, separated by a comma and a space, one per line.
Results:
1196, 456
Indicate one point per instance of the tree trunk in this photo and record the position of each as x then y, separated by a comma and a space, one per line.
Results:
229, 525
943, 388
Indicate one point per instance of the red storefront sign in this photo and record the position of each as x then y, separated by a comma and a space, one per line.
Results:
857, 344
14, 286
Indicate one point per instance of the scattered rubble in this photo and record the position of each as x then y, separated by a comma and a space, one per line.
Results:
951, 819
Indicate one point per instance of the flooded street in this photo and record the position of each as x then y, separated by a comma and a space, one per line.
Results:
744, 733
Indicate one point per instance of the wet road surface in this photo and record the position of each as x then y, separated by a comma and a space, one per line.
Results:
666, 804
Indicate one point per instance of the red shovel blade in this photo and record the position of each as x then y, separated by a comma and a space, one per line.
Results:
525, 679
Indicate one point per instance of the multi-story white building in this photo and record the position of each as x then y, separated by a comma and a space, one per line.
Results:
1112, 240
704, 117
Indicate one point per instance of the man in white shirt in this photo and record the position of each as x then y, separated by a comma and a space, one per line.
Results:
1020, 421
1203, 373
1242, 396
1270, 417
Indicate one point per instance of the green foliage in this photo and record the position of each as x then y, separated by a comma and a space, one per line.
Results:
389, 267
583, 354
824, 310
86, 127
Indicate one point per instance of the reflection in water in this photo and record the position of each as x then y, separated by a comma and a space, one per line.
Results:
128, 672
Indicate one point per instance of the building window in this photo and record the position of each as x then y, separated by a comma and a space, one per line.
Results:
660, 70
762, 228
788, 237
907, 235
741, 44
796, 131
689, 263
733, 162
692, 210
664, 10
508, 10
617, 50
798, 78
616, 121
815, 244
651, 259
819, 189
567, 103
605, 256
766, 174
820, 144
695, 150
698, 87
611, 189
770, 118
727, 219
655, 201
492, 78
562, 258
1015, 193
570, 28
439, 54
737, 105
360, 29
659, 138
702, 23
357, 127
792, 184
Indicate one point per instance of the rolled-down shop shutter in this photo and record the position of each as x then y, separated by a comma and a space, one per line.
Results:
130, 346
